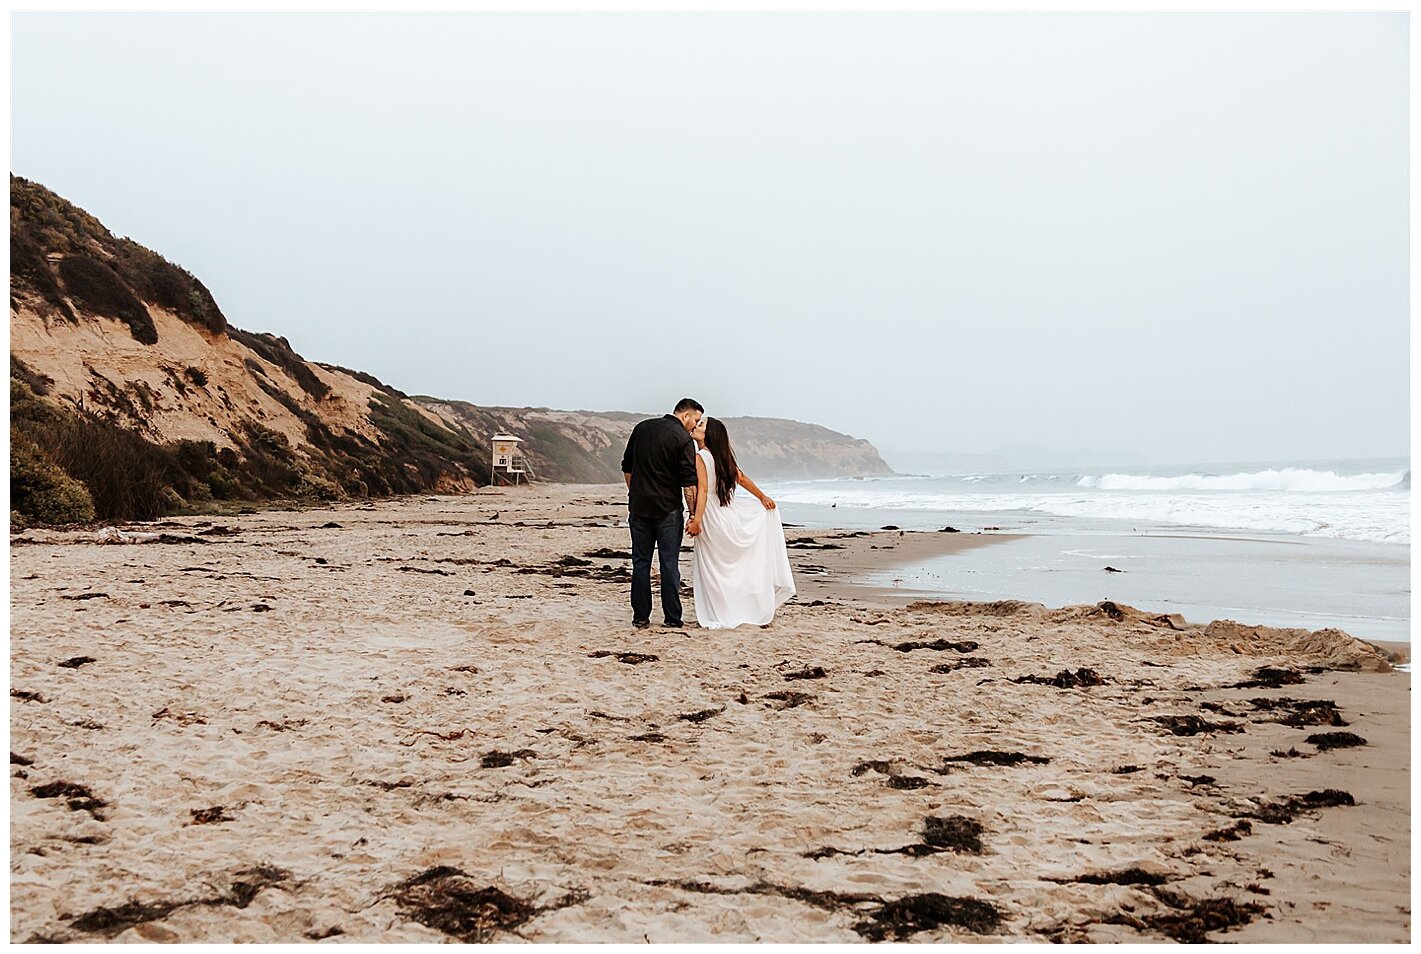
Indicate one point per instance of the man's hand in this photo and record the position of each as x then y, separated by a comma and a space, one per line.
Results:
694, 527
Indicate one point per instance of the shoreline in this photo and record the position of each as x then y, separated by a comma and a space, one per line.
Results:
349, 717
864, 552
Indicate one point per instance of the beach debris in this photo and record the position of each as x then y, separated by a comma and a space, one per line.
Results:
1133, 875
470, 593
331, 525
629, 659
966, 662
1065, 679
1191, 920
1282, 811
1301, 713
77, 797
1292, 753
74, 662
181, 718
218, 531
396, 697
465, 668
283, 726
809, 543
889, 527
1111, 610
607, 553
1270, 677
814, 672
599, 714
25, 695
1335, 740
989, 757
405, 782
923, 912
1111, 569
1125, 770
84, 596
949, 530
1193, 725
1198, 779
700, 715
953, 833
16, 759
323, 935
874, 673
112, 922
419, 569
790, 699
497, 759
209, 816
115, 535
936, 645
448, 900
649, 737
875, 765
901, 918
1233, 832
907, 782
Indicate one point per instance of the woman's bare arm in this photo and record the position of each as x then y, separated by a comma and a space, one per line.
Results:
695, 525
744, 481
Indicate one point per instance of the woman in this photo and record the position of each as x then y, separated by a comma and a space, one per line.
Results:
740, 571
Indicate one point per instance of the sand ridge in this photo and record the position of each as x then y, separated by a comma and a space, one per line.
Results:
429, 718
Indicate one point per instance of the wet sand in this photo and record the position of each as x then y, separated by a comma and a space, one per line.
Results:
430, 719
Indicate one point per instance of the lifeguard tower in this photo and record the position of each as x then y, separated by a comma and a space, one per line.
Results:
507, 460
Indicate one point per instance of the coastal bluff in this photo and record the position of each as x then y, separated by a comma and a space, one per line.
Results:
132, 397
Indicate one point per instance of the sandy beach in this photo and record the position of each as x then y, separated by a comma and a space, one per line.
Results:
429, 719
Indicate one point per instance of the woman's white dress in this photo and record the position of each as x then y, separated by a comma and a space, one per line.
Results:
740, 571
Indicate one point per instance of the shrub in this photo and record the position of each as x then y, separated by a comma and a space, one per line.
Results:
42, 222
196, 376
314, 485
278, 351
125, 473
99, 289
28, 266
171, 500
42, 491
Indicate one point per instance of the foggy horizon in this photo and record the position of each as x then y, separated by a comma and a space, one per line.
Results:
1172, 238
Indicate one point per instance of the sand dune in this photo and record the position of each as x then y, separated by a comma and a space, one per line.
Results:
430, 718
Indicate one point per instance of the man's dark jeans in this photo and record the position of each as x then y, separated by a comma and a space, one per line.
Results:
664, 534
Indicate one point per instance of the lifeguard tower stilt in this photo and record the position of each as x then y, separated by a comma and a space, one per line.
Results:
507, 461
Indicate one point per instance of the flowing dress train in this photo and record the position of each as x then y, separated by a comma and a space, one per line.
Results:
740, 570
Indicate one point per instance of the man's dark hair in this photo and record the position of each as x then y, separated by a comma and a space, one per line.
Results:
689, 404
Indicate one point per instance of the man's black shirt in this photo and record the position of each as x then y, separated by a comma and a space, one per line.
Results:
661, 457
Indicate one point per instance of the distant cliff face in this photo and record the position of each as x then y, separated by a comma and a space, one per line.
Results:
132, 396
586, 446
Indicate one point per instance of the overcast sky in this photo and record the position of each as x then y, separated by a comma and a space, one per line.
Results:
1182, 237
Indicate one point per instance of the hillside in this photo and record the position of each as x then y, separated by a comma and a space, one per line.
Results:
132, 396
586, 446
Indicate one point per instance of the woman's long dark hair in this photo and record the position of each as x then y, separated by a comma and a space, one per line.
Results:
726, 473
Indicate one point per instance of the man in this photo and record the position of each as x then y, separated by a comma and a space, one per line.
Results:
659, 466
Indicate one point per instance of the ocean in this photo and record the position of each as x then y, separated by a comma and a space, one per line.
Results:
1297, 543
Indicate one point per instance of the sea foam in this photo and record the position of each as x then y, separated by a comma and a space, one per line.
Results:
1287, 480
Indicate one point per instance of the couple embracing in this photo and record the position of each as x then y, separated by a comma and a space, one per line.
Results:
740, 569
